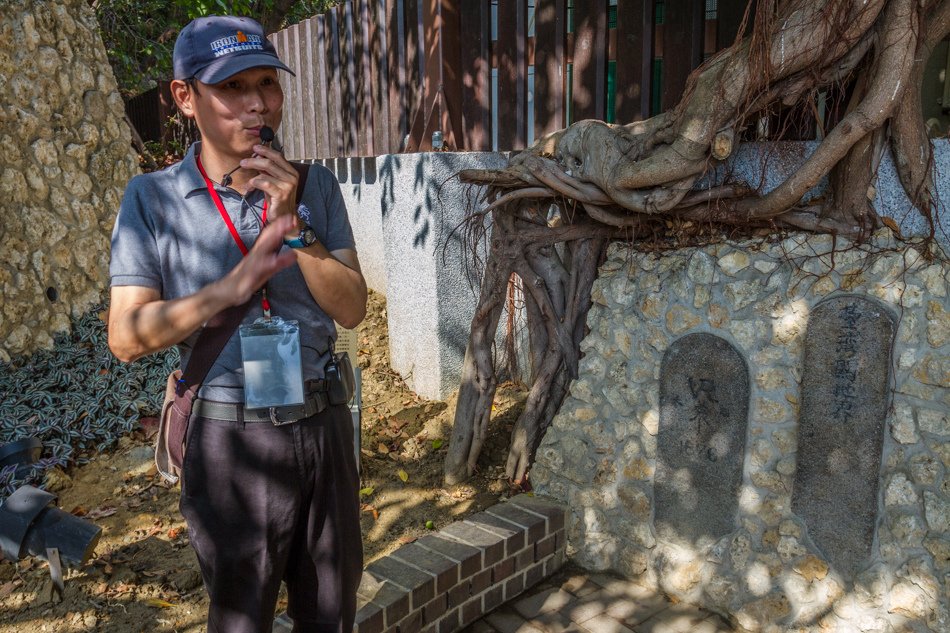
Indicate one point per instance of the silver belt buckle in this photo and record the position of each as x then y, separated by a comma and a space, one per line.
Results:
272, 411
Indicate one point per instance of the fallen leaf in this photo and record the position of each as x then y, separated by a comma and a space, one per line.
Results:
6, 589
98, 513
78, 511
367, 452
436, 444
405, 540
159, 604
403, 475
892, 225
382, 448
173, 533
365, 492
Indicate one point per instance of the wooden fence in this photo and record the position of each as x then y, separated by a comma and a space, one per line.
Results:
381, 76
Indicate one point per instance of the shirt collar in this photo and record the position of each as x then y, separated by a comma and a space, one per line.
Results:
190, 179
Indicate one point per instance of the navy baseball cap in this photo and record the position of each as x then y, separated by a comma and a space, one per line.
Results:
213, 48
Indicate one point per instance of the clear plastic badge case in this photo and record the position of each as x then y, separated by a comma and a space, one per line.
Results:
273, 375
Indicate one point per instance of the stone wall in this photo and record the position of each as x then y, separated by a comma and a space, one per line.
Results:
693, 468
65, 157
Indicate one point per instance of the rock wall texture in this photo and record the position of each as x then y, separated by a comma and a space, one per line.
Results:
65, 157
767, 574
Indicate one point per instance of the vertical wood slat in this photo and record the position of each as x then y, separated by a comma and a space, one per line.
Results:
512, 99
396, 51
475, 75
365, 76
634, 80
320, 78
728, 19
414, 58
450, 76
379, 76
589, 86
349, 96
305, 73
683, 50
334, 101
289, 136
301, 82
550, 66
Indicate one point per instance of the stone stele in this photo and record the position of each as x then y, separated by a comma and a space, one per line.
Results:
704, 405
847, 357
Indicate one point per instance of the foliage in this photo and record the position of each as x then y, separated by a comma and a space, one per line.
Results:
139, 35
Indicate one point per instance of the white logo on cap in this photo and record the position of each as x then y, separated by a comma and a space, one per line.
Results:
240, 41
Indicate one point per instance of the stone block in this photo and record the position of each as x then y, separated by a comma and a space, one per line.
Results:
847, 358
704, 400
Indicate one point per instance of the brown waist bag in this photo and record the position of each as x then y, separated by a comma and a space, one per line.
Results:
182, 389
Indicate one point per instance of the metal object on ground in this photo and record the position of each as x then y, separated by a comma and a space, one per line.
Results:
31, 526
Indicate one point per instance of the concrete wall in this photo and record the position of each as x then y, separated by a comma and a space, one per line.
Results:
405, 210
65, 156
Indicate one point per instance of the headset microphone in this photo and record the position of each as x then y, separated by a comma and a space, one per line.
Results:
267, 137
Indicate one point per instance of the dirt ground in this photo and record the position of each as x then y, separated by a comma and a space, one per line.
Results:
144, 576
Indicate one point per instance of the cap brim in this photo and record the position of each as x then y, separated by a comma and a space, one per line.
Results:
220, 69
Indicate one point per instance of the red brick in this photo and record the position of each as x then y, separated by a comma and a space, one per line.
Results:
480, 582
524, 558
514, 586
468, 558
491, 545
449, 622
472, 610
534, 575
444, 569
458, 594
514, 535
503, 570
434, 609
412, 623
493, 598
551, 511
544, 547
420, 584
369, 619
533, 524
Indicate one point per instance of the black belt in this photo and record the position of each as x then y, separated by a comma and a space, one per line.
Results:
314, 403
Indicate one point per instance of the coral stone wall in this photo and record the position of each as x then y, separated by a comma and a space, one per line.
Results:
65, 157
600, 454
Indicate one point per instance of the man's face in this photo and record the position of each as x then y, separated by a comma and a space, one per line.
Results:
230, 114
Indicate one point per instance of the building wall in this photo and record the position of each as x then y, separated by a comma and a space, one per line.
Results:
600, 455
65, 157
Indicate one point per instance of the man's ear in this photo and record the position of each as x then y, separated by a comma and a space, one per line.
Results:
184, 97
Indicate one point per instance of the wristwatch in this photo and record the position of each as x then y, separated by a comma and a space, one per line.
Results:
306, 238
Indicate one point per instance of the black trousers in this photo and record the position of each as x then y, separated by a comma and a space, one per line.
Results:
267, 503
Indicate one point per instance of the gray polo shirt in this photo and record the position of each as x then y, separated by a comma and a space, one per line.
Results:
170, 236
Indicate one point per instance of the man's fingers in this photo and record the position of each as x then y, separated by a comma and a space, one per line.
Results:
273, 234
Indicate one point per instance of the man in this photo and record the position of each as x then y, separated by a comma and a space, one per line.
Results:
267, 498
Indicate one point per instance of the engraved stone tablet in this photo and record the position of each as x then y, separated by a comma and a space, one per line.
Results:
847, 357
704, 403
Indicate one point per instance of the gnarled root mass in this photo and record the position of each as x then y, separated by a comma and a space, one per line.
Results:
626, 180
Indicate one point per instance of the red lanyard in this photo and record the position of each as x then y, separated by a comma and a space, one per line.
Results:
265, 304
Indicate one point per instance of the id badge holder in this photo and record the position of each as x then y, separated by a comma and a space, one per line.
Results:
273, 375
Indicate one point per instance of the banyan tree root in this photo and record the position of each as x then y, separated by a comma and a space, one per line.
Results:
614, 180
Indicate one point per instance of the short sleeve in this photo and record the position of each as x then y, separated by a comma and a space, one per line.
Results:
339, 232
134, 259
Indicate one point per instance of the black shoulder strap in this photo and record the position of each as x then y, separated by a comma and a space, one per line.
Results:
214, 336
